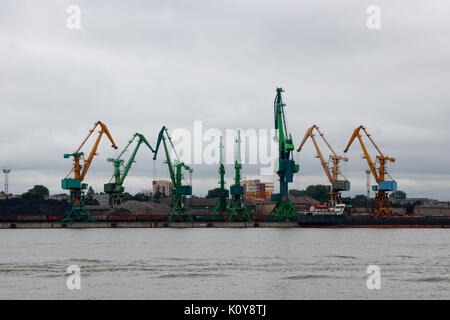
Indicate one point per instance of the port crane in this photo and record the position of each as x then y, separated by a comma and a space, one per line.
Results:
77, 211
285, 166
237, 209
381, 205
115, 187
178, 211
331, 167
221, 205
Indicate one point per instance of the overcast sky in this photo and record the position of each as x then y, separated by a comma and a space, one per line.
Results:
138, 65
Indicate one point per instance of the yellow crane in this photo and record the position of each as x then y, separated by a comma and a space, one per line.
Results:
331, 167
81, 166
381, 205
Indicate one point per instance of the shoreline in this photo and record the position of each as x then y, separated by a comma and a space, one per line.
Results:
132, 225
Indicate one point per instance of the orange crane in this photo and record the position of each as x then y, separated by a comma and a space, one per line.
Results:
381, 205
332, 172
77, 211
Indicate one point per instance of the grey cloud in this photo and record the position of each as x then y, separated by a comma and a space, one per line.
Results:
142, 64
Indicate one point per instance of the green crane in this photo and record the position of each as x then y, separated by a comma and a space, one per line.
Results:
285, 166
221, 205
178, 211
237, 210
115, 189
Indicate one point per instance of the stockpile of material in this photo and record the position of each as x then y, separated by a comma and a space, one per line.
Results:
141, 208
33, 207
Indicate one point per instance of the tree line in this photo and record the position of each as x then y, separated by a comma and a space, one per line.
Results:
318, 192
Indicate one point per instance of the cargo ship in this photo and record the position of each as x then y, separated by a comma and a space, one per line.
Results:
322, 216
344, 221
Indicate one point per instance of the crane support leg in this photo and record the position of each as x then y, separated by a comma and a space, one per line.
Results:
381, 206
179, 212
116, 199
238, 211
77, 211
221, 206
334, 197
284, 209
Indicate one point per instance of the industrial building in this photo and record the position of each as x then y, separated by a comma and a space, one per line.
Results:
163, 186
255, 189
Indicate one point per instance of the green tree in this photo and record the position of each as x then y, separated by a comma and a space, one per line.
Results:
38, 191
127, 196
318, 192
213, 193
359, 200
347, 200
157, 196
400, 195
141, 197
297, 193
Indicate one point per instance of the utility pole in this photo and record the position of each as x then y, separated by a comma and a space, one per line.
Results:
6, 172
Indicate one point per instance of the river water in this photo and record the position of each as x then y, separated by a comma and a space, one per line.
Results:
225, 263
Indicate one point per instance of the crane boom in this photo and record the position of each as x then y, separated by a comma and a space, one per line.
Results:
310, 134
221, 166
379, 177
222, 201
333, 172
115, 189
238, 210
179, 191
133, 155
163, 136
78, 174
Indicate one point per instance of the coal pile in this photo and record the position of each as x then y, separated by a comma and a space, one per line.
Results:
33, 207
120, 211
141, 208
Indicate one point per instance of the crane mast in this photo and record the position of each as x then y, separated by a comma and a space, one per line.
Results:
115, 189
336, 185
77, 211
237, 210
221, 205
285, 166
178, 211
381, 205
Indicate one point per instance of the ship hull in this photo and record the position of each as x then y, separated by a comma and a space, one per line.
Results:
341, 221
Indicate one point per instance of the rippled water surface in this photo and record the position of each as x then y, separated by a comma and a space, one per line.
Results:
225, 263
